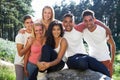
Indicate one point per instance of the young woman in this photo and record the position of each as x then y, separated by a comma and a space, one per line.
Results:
53, 51
47, 16
21, 40
34, 53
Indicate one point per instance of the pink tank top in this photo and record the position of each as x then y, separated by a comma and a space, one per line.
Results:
35, 54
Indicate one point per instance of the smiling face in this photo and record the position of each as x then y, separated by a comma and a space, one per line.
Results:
38, 31
47, 14
89, 21
28, 24
88, 18
56, 31
68, 23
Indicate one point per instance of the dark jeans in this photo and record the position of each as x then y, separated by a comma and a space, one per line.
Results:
83, 62
48, 55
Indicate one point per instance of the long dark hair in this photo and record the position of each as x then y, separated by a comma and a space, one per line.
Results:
49, 36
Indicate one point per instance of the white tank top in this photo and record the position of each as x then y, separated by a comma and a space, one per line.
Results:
58, 48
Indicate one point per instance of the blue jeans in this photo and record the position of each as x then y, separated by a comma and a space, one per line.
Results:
48, 55
32, 70
83, 62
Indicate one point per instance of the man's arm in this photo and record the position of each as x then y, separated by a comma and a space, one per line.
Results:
112, 48
98, 22
80, 27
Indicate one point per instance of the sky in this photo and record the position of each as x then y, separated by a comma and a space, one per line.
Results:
37, 5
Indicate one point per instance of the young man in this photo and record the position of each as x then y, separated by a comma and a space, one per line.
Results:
96, 38
76, 54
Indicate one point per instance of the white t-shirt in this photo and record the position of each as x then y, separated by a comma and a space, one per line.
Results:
75, 43
97, 43
20, 39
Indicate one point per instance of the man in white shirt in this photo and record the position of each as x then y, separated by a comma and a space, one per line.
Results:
76, 54
96, 38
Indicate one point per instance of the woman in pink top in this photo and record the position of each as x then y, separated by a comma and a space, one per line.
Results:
34, 53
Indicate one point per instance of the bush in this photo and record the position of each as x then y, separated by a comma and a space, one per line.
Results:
116, 75
6, 74
7, 50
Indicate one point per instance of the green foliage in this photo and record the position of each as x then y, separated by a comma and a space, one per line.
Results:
116, 75
11, 14
7, 50
7, 53
74, 8
6, 74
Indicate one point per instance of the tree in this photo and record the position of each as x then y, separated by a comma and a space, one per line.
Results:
108, 11
11, 13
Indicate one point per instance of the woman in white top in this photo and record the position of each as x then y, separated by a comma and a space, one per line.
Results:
53, 51
21, 40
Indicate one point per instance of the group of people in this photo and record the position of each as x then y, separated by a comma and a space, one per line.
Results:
46, 45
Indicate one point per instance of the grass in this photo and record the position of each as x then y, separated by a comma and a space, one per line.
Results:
116, 75
6, 74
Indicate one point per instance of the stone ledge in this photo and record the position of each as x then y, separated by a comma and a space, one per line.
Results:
66, 74
69, 74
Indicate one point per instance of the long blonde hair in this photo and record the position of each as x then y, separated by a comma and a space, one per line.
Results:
52, 10
33, 29
51, 19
